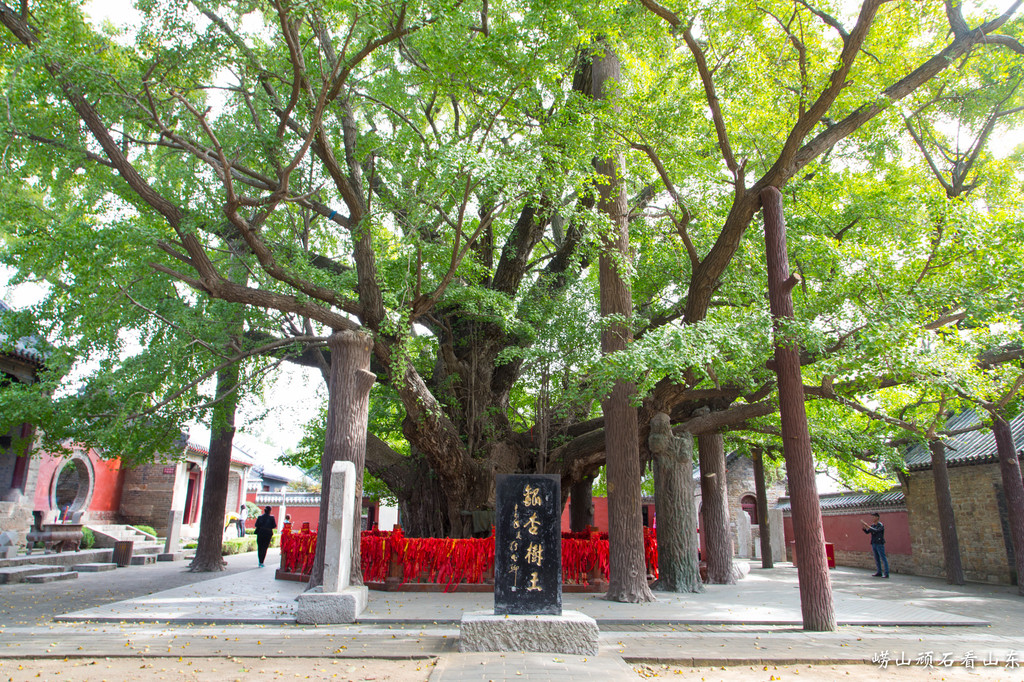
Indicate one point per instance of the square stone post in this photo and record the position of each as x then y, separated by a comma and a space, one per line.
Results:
336, 601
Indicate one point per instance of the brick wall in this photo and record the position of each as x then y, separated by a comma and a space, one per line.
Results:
147, 494
981, 518
852, 546
898, 563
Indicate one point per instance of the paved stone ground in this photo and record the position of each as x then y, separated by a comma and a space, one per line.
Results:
161, 610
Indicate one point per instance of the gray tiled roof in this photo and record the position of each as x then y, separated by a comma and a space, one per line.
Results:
973, 447
295, 499
854, 500
24, 348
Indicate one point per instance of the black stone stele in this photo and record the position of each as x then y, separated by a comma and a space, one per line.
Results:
528, 545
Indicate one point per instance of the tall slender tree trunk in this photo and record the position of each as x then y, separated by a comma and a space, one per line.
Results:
714, 509
763, 524
1013, 489
816, 603
222, 436
627, 565
581, 505
218, 469
348, 410
678, 565
947, 518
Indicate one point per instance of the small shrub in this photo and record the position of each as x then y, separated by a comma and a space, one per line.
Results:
88, 538
238, 546
147, 529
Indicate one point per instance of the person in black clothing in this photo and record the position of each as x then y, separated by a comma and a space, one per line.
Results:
265, 526
877, 531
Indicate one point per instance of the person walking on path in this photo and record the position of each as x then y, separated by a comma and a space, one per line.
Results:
265, 526
877, 531
243, 516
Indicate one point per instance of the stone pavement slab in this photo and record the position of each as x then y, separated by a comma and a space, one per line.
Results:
52, 577
94, 567
483, 667
17, 574
762, 598
254, 617
248, 597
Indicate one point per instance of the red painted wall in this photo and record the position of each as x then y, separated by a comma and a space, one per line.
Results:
107, 480
49, 466
106, 494
846, 532
301, 515
600, 515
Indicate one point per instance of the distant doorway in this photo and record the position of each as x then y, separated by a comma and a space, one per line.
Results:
749, 505
191, 493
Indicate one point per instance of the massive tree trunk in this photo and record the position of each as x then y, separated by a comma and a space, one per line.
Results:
627, 565
581, 505
763, 525
218, 468
715, 509
1013, 489
816, 603
678, 564
345, 438
947, 518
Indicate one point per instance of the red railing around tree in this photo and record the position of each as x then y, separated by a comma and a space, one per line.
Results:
392, 561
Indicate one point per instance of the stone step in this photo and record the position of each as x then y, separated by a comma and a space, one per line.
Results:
93, 567
143, 559
170, 556
148, 548
51, 577
17, 574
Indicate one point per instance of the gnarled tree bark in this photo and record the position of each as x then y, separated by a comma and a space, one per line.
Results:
345, 439
675, 506
581, 505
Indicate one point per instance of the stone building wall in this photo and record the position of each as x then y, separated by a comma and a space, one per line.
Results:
898, 563
740, 482
982, 527
147, 496
15, 503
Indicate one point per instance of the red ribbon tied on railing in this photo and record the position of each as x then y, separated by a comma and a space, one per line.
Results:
454, 561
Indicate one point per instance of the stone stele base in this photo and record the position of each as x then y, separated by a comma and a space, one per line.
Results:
170, 556
325, 608
570, 633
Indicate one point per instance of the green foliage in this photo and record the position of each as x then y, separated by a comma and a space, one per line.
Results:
454, 137
147, 529
88, 538
385, 422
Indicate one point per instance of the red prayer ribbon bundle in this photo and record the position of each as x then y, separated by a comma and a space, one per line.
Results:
453, 561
